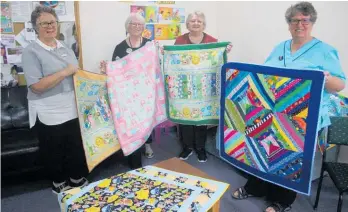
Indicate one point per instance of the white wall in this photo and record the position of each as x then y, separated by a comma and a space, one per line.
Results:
102, 27
255, 28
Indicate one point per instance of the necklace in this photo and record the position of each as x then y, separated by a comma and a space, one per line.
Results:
141, 40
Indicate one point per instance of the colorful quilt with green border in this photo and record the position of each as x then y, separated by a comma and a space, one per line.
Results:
192, 82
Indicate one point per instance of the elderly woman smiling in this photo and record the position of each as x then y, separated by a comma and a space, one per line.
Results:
48, 67
135, 25
303, 51
194, 137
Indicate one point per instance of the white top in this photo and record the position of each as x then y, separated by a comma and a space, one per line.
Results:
55, 109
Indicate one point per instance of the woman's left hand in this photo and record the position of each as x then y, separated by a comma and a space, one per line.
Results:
229, 48
333, 84
160, 47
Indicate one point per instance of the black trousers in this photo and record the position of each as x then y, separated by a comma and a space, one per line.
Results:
273, 193
61, 150
134, 159
149, 140
193, 137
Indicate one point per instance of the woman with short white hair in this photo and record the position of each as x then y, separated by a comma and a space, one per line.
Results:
134, 25
195, 23
194, 137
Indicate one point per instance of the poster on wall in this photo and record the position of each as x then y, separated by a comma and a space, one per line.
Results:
58, 6
178, 15
8, 40
151, 14
167, 31
165, 14
21, 11
174, 30
64, 9
161, 32
161, 23
6, 18
149, 31
138, 9
14, 55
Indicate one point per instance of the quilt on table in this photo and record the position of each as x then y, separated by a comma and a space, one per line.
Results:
338, 107
192, 82
269, 122
146, 189
136, 93
96, 124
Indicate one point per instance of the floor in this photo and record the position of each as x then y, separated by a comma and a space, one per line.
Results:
35, 195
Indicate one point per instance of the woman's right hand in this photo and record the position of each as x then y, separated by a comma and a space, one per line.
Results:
70, 70
102, 67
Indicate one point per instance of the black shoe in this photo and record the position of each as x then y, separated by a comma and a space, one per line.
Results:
202, 155
82, 182
61, 188
185, 154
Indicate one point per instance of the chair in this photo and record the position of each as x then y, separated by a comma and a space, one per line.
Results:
338, 172
165, 125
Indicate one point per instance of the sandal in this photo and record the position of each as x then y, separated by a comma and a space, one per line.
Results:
278, 207
240, 194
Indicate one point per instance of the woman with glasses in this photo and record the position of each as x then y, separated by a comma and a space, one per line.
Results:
194, 137
135, 25
48, 67
303, 51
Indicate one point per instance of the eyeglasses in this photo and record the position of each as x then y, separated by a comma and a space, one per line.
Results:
297, 21
196, 21
46, 24
136, 24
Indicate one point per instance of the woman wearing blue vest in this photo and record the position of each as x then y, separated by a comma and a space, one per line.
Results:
303, 51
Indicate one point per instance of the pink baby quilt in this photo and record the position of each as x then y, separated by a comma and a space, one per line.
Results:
136, 94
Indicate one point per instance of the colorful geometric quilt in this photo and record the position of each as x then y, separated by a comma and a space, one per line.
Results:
192, 82
270, 121
136, 93
96, 124
146, 189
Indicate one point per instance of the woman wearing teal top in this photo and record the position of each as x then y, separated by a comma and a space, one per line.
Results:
301, 52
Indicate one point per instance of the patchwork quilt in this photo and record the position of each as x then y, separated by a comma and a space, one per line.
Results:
192, 82
96, 124
146, 189
136, 93
269, 122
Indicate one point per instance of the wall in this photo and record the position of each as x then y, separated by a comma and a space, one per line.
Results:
102, 27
